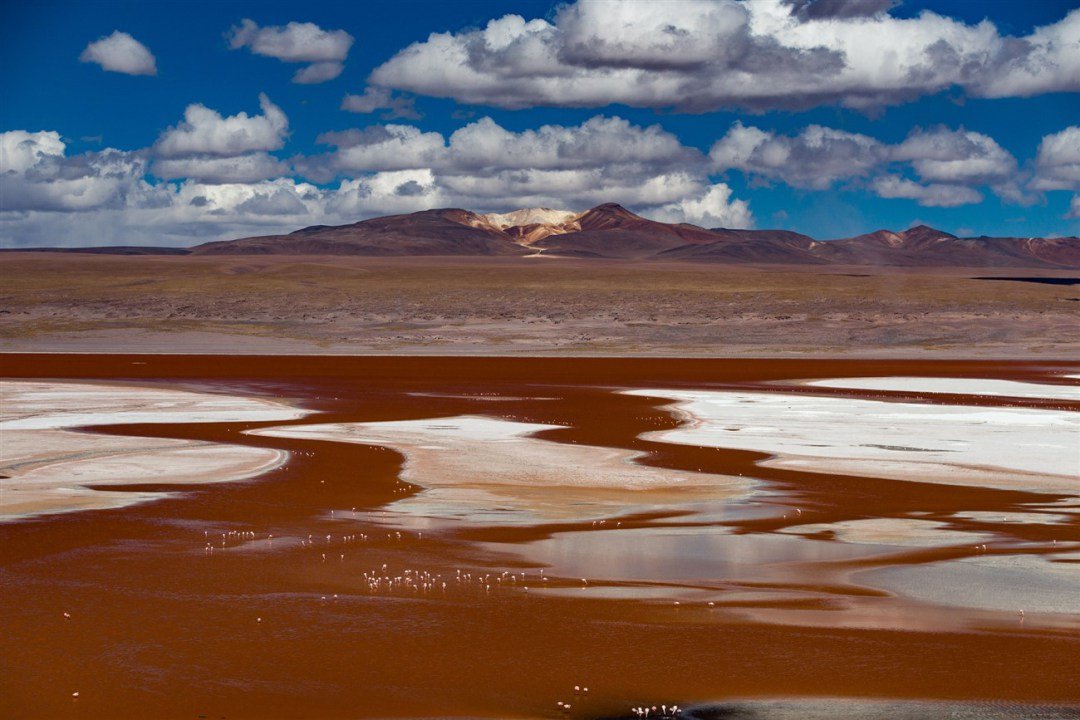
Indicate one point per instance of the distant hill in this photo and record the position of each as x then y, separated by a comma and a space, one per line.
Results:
926, 246
108, 250
612, 231
920, 246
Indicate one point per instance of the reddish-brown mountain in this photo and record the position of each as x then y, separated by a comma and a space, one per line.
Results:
612, 231
926, 246
431, 232
751, 246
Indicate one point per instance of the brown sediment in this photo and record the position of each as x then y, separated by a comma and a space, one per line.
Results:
160, 627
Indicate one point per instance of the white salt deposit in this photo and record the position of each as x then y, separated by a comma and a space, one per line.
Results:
481, 462
961, 386
1031, 449
48, 466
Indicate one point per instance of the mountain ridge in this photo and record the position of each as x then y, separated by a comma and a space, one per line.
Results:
611, 231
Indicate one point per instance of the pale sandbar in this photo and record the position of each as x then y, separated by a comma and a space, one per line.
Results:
50, 468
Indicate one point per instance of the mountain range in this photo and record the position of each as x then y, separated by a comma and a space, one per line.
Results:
612, 231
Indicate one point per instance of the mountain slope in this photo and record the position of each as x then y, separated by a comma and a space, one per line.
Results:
612, 231
751, 246
430, 232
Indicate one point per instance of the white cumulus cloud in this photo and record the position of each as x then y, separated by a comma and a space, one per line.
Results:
956, 156
597, 142
485, 166
296, 42
317, 73
36, 174
932, 195
374, 98
250, 167
20, 150
702, 55
378, 147
947, 165
815, 158
1057, 162
213, 176
1048, 60
207, 132
120, 53
712, 209
230, 184
213, 148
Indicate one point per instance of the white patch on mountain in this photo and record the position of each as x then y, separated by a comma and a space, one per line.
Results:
531, 216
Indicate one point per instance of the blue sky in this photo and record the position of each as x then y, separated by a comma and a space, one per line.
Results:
951, 131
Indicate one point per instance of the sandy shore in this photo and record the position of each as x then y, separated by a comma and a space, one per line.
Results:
49, 467
1010, 448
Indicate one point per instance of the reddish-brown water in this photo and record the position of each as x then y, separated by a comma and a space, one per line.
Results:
161, 628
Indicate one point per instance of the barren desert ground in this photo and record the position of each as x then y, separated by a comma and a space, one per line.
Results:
528, 306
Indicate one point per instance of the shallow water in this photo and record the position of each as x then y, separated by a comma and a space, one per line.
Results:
176, 612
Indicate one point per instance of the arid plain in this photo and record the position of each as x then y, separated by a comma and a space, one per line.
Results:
528, 306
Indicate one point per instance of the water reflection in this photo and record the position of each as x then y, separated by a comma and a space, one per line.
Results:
689, 555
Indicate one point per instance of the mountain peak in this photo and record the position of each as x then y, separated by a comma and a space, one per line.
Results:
925, 231
608, 215
612, 209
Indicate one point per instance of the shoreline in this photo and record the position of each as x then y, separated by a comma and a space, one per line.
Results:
288, 347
